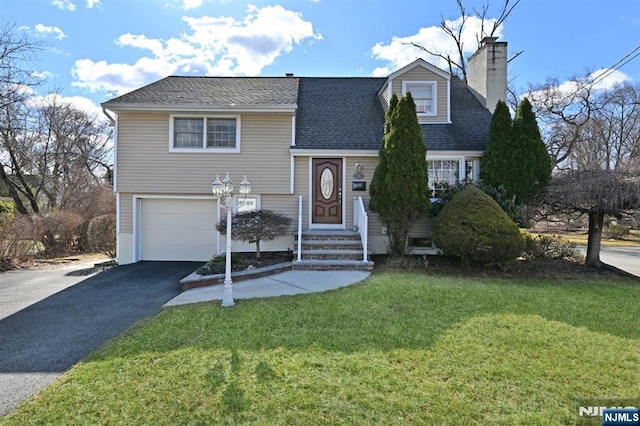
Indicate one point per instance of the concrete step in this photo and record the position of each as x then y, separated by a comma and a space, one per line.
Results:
327, 254
330, 265
332, 244
315, 234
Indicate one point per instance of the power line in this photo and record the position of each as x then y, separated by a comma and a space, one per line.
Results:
622, 62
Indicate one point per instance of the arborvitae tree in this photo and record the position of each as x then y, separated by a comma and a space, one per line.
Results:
531, 163
496, 165
399, 189
378, 182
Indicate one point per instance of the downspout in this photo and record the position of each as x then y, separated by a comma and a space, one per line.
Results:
111, 119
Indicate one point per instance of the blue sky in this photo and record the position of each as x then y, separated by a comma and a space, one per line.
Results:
101, 48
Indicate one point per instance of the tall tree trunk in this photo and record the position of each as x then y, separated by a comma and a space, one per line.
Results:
19, 205
596, 221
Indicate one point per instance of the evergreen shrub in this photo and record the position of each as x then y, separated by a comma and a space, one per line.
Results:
475, 229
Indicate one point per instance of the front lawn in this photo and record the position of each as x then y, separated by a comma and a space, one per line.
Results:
399, 348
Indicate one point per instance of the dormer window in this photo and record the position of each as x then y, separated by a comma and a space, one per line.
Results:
424, 95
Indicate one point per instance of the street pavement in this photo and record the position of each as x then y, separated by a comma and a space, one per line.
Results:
50, 320
625, 258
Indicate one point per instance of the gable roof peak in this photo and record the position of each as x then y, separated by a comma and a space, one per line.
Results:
419, 62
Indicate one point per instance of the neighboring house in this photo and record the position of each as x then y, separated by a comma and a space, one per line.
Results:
295, 138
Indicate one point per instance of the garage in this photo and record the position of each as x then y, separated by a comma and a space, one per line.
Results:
177, 229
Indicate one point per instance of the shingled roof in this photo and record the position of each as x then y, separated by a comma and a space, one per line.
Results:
346, 113
469, 128
210, 92
339, 113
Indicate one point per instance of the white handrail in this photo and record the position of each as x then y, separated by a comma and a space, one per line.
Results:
361, 223
300, 228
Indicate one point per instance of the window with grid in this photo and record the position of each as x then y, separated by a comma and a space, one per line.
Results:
205, 133
221, 133
423, 94
187, 132
442, 173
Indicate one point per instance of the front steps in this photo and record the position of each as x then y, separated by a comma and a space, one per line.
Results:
331, 250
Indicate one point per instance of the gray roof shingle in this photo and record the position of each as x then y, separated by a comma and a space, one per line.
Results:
469, 128
212, 91
346, 113
339, 113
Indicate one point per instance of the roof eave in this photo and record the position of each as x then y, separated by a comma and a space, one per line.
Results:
116, 107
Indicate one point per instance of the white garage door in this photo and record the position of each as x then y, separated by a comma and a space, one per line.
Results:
178, 229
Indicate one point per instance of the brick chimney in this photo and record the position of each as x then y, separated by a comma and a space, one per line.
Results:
487, 72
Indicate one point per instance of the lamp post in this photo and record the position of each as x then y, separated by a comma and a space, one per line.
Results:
224, 191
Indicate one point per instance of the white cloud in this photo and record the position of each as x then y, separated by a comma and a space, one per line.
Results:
93, 3
191, 4
606, 78
568, 91
79, 102
43, 75
213, 46
400, 52
64, 5
45, 30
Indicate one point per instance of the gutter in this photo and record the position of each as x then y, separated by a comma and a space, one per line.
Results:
109, 116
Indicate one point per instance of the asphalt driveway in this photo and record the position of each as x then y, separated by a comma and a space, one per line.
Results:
39, 340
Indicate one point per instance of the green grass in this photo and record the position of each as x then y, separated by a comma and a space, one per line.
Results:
399, 348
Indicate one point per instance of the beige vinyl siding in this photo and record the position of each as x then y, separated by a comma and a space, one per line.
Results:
368, 167
282, 204
145, 164
126, 213
422, 227
301, 187
421, 74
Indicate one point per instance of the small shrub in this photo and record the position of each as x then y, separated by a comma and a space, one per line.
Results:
217, 264
17, 245
499, 194
475, 229
615, 232
256, 226
101, 235
550, 247
59, 231
6, 210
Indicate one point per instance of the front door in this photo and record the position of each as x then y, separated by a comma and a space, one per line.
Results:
327, 191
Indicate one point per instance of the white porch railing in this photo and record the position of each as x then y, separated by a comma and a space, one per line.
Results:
361, 223
300, 228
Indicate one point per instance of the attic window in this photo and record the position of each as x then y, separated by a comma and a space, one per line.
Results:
424, 95
211, 134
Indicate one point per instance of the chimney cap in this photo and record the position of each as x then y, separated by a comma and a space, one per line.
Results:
289, 74
488, 40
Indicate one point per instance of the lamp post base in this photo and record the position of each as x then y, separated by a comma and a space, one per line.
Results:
227, 296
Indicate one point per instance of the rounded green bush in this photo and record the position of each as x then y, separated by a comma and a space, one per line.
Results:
474, 228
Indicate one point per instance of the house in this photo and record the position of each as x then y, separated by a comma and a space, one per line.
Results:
309, 147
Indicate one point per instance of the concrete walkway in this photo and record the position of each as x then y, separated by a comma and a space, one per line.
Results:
282, 284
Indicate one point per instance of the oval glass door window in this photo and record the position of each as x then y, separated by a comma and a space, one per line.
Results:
326, 183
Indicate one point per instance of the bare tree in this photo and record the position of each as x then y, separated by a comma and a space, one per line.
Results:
589, 128
52, 155
17, 54
595, 193
457, 62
